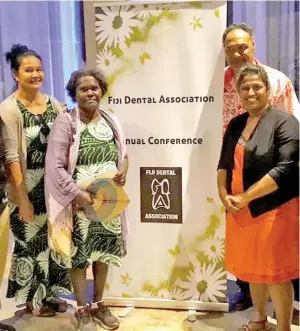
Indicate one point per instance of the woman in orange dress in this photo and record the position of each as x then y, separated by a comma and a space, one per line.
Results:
258, 182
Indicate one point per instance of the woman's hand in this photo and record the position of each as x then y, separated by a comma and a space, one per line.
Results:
226, 198
26, 211
240, 200
228, 202
82, 200
120, 176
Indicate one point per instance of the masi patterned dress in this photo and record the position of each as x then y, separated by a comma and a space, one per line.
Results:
96, 241
35, 273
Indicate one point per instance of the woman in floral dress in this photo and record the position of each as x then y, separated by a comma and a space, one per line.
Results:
26, 119
85, 143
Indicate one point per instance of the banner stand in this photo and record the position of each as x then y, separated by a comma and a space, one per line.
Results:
165, 67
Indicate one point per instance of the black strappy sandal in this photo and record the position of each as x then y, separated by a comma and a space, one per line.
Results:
4, 327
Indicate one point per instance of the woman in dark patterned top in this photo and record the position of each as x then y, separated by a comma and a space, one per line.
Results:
83, 144
27, 116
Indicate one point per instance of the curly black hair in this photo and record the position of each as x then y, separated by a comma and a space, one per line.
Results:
241, 26
15, 55
76, 75
251, 69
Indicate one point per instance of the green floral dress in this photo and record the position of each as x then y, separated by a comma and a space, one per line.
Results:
34, 273
96, 241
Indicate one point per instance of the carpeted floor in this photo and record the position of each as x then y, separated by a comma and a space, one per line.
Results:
137, 320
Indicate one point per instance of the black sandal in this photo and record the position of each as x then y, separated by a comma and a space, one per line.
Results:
58, 305
43, 311
4, 327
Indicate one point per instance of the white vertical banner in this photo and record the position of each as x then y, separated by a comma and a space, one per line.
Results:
165, 64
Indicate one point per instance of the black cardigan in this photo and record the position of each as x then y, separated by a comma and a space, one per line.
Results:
273, 149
